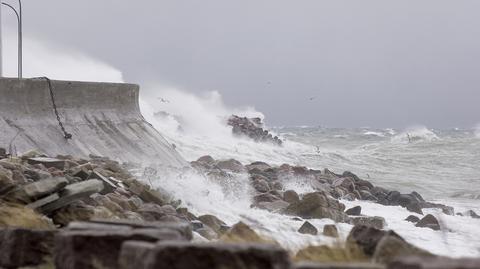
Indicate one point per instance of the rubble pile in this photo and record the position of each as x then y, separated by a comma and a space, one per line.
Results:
252, 128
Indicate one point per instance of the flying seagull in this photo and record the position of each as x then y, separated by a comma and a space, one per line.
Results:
311, 98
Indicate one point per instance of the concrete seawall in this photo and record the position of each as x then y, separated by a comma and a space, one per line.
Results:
104, 119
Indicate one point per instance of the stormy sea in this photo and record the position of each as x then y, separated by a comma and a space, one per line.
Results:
442, 165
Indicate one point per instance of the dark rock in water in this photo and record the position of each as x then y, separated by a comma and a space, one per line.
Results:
318, 205
92, 249
413, 219
252, 128
434, 263
351, 175
376, 222
265, 197
367, 238
472, 214
212, 222
206, 160
258, 165
261, 186
291, 196
445, 209
429, 221
330, 230
3, 153
231, 165
308, 228
391, 247
183, 255
23, 247
415, 208
354, 211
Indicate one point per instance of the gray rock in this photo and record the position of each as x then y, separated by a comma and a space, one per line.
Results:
23, 247
44, 201
290, 196
472, 214
376, 222
261, 186
367, 238
275, 206
265, 197
330, 230
308, 228
413, 219
134, 254
44, 187
429, 221
354, 211
258, 165
212, 222
207, 233
231, 165
90, 249
206, 160
205, 256
317, 205
108, 185
73, 192
391, 247
434, 263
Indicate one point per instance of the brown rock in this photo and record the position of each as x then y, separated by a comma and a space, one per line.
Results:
212, 222
290, 196
308, 228
330, 230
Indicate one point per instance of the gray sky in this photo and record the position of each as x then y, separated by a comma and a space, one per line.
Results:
368, 63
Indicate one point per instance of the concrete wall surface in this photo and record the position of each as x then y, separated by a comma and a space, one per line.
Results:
104, 119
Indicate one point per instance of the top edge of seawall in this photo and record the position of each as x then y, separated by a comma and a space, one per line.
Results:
59, 81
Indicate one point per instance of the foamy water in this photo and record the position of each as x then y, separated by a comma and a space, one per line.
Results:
441, 165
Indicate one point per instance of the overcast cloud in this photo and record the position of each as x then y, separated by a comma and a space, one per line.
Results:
367, 63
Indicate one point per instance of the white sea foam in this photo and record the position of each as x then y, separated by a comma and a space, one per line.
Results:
416, 134
372, 133
477, 131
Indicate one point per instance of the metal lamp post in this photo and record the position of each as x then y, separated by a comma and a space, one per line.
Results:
20, 35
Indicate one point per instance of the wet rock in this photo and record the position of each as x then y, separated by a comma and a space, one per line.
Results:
265, 197
76, 211
258, 165
434, 263
330, 230
354, 211
73, 249
6, 181
242, 233
391, 247
376, 222
261, 186
203, 256
308, 228
157, 196
415, 208
231, 165
366, 195
472, 214
213, 222
252, 128
317, 205
206, 160
367, 238
154, 212
207, 233
72, 193
429, 221
290, 196
413, 219
3, 153
329, 254
275, 206
346, 183
23, 247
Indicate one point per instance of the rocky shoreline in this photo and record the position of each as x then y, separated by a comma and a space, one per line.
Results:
68, 212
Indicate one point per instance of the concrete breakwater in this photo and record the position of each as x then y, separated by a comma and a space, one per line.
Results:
102, 118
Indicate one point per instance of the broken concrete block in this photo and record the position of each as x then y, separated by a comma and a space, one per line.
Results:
73, 192
47, 162
46, 200
47, 186
23, 247
108, 185
91, 249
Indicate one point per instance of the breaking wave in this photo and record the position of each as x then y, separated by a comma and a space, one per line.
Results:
416, 134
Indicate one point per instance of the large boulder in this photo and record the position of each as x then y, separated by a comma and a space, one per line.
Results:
330, 230
242, 233
183, 255
317, 205
367, 238
329, 254
213, 222
429, 221
231, 165
291, 196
